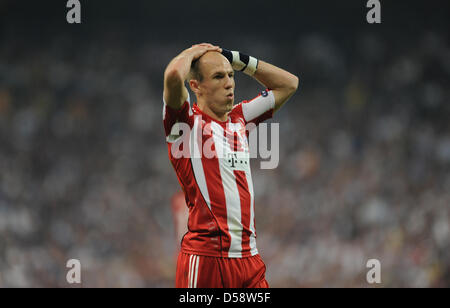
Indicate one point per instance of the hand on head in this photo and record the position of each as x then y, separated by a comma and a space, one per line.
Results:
200, 49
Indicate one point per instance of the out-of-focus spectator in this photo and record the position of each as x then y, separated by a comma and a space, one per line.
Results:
364, 170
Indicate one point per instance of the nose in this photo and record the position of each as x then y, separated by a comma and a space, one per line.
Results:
228, 82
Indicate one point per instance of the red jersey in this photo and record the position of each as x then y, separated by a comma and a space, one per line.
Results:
212, 163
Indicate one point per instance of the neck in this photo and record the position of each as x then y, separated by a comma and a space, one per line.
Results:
205, 108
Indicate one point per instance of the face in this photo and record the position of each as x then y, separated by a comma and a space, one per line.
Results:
217, 86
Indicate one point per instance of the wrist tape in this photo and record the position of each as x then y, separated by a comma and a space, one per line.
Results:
241, 62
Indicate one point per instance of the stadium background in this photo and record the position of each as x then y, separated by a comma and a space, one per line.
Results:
364, 148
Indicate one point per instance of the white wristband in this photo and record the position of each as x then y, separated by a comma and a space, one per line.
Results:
251, 66
239, 64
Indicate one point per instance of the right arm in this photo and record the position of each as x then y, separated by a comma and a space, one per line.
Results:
175, 92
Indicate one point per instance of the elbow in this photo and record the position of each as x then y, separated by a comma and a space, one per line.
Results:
293, 84
172, 76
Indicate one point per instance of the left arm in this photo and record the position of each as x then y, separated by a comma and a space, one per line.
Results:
282, 83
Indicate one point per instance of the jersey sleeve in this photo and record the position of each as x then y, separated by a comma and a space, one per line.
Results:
258, 109
173, 117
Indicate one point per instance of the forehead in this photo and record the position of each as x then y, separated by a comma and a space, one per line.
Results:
212, 62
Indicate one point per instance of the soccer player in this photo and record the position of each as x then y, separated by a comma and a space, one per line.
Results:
208, 149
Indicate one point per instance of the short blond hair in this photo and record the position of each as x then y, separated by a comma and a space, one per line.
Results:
194, 72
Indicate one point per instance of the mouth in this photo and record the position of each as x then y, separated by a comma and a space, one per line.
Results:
231, 95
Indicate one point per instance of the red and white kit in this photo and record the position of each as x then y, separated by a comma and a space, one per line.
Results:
218, 188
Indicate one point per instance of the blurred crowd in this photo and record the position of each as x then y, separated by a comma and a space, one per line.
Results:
364, 169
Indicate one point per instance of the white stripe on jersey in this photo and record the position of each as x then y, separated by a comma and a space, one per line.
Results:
232, 198
258, 106
253, 249
197, 160
174, 131
164, 110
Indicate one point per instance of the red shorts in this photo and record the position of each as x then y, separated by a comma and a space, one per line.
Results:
194, 271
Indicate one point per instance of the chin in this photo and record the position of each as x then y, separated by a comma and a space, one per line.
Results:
229, 105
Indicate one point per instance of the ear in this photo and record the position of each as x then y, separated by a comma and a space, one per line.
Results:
194, 85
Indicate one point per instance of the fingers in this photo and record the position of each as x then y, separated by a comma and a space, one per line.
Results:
199, 50
208, 46
203, 44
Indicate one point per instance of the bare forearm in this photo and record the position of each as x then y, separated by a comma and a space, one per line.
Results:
274, 77
283, 83
175, 92
179, 66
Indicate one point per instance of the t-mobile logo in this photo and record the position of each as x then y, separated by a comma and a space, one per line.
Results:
237, 161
